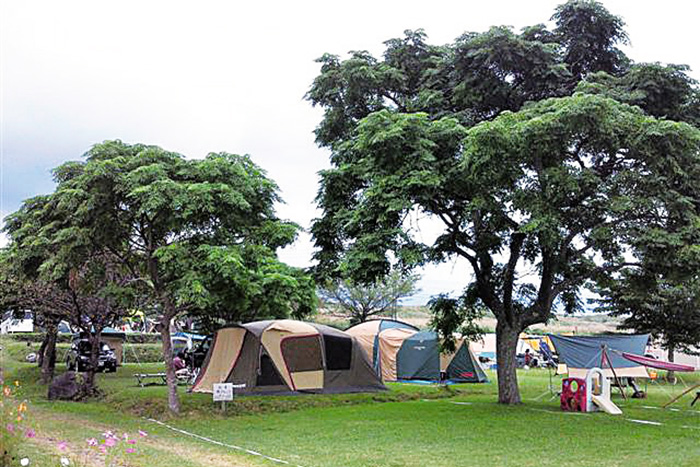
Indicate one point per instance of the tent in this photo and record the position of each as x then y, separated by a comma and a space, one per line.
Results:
286, 356
580, 353
401, 352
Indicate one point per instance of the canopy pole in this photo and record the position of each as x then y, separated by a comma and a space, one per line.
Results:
605, 357
680, 395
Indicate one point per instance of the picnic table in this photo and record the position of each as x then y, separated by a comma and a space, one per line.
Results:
143, 379
160, 379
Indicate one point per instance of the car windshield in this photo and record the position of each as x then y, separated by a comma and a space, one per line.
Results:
84, 346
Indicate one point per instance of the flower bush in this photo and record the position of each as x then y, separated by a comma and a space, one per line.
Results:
115, 450
13, 428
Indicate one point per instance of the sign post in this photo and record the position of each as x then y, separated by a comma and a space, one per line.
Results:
224, 392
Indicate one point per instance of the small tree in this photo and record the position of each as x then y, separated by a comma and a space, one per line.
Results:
172, 222
360, 302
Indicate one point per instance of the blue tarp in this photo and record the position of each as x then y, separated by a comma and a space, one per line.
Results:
587, 351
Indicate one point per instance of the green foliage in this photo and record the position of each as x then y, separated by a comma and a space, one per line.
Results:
456, 315
482, 138
588, 34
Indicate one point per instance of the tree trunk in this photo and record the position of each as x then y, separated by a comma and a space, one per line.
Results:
48, 364
42, 350
506, 347
89, 382
671, 375
173, 400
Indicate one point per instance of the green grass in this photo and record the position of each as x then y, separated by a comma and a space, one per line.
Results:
410, 425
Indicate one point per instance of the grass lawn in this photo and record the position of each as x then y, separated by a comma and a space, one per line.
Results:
410, 425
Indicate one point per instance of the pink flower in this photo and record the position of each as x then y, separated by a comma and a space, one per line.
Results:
142, 434
125, 436
108, 434
109, 442
132, 441
130, 450
91, 441
10, 428
103, 449
63, 446
30, 433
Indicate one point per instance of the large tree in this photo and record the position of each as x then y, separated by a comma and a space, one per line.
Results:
185, 228
560, 187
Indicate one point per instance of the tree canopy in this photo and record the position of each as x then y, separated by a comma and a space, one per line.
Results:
201, 234
484, 137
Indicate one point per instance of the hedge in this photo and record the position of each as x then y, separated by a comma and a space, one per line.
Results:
133, 353
134, 338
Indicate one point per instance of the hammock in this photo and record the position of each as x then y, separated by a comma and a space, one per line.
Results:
658, 364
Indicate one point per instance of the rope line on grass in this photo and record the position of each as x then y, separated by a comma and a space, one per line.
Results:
219, 443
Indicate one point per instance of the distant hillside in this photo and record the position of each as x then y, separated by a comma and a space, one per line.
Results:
420, 316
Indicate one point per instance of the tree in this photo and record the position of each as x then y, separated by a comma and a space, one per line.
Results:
174, 223
588, 34
359, 302
88, 288
550, 188
561, 186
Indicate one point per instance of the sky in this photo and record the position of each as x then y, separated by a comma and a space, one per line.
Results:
211, 76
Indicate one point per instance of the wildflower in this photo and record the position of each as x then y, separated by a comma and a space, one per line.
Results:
7, 391
19, 418
65, 461
108, 434
142, 434
10, 428
132, 441
24, 461
91, 441
125, 436
130, 450
103, 449
109, 442
63, 446
30, 433
17, 383
22, 407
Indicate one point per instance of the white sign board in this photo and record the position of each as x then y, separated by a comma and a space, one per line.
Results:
223, 392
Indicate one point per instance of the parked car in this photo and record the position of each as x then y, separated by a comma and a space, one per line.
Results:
78, 357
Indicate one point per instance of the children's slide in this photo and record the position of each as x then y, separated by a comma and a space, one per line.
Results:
606, 405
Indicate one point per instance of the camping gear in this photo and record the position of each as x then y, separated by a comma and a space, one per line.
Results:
286, 356
400, 352
578, 354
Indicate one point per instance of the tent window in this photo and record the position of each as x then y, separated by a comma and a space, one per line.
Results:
338, 352
268, 375
302, 354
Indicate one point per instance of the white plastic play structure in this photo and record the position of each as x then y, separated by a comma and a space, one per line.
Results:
598, 393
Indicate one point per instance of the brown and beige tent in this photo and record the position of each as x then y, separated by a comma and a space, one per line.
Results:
400, 352
286, 356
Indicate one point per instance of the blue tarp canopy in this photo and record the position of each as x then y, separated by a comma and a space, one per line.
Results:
587, 351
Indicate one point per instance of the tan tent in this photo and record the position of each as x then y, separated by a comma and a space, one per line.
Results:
286, 356
400, 352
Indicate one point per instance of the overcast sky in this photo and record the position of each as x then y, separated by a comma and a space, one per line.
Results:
200, 77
